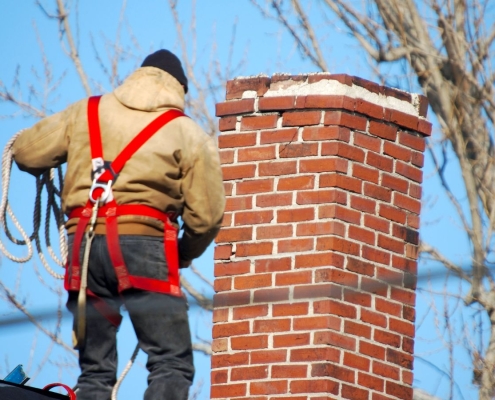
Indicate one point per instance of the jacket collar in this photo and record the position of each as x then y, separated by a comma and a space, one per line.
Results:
150, 89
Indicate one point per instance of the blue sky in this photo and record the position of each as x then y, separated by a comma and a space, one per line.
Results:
260, 47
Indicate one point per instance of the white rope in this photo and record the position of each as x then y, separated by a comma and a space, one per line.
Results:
48, 180
124, 373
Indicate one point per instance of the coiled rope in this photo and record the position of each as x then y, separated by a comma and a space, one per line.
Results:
53, 207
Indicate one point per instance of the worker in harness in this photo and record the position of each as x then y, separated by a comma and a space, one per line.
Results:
135, 163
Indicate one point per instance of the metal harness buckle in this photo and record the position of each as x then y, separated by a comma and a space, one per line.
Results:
107, 191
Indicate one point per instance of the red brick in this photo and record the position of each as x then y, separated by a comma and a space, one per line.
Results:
358, 298
254, 186
363, 204
321, 197
230, 329
295, 215
234, 234
296, 183
229, 360
409, 171
318, 260
366, 174
274, 200
278, 168
373, 318
424, 127
268, 356
319, 322
360, 234
320, 228
293, 278
372, 349
223, 252
321, 164
250, 342
301, 118
379, 224
219, 376
226, 156
385, 370
381, 162
232, 172
278, 136
390, 244
402, 327
336, 339
239, 203
291, 340
392, 213
375, 255
314, 354
256, 153
377, 192
374, 286
407, 377
403, 119
335, 308
270, 387
253, 217
329, 101
356, 361
360, 267
348, 120
276, 103
321, 133
243, 106
281, 310
342, 150
370, 381
408, 345
357, 329
409, 313
273, 232
368, 85
388, 307
228, 391
252, 281
230, 299
254, 123
232, 268
228, 188
298, 150
400, 358
249, 312
227, 123
337, 244
271, 295
222, 284
341, 213
272, 325
367, 142
219, 345
418, 159
383, 130
387, 338
335, 371
412, 141
337, 276
353, 393
220, 315
398, 152
249, 373
236, 87
370, 109
295, 245
273, 264
314, 386
395, 183
342, 78
398, 390
289, 371
254, 249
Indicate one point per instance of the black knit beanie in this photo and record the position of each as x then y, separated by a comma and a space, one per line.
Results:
168, 62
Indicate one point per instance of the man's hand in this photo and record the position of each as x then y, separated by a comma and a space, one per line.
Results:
184, 264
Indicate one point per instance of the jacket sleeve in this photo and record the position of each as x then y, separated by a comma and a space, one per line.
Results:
42, 146
204, 201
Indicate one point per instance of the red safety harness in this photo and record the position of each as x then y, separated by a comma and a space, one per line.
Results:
104, 175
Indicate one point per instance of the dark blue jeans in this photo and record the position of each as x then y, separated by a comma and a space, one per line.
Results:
159, 320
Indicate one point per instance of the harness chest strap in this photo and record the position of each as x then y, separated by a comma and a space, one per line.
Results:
105, 174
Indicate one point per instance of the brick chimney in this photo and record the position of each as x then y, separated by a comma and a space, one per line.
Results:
315, 267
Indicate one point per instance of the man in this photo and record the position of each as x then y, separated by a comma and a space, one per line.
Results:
174, 172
